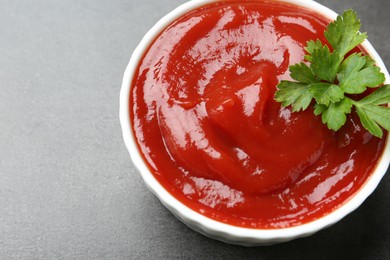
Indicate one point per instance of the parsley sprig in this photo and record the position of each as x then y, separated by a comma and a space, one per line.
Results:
332, 75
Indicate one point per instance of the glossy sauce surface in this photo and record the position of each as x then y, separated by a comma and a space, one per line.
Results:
206, 122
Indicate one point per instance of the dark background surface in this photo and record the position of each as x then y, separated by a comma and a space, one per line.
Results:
67, 187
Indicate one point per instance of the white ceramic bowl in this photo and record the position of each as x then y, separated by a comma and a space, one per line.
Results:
207, 226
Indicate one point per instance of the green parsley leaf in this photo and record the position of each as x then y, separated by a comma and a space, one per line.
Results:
302, 73
379, 97
343, 34
332, 76
379, 114
326, 93
369, 62
355, 75
372, 114
319, 109
325, 64
372, 117
295, 94
335, 114
310, 47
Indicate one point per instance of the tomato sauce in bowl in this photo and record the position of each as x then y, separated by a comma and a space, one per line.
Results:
206, 124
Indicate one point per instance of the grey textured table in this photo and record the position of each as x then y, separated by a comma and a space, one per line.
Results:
67, 187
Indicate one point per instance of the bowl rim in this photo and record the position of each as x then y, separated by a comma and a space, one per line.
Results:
202, 222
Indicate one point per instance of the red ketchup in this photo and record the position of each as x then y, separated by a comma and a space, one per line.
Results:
205, 119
